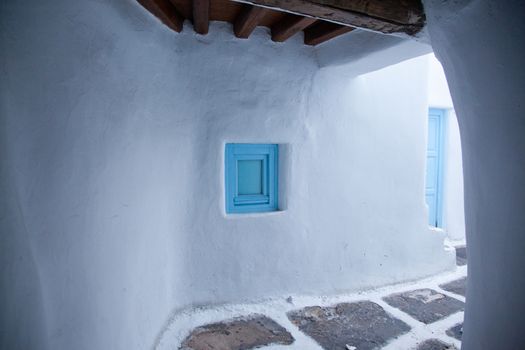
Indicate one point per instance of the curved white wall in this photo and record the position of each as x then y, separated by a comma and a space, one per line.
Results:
114, 129
480, 44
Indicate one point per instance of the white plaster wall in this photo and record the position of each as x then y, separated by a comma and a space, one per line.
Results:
362, 51
438, 92
355, 214
453, 198
112, 170
453, 202
480, 44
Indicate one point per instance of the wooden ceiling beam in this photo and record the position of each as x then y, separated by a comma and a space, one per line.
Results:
247, 20
201, 16
322, 31
385, 16
165, 11
289, 26
398, 11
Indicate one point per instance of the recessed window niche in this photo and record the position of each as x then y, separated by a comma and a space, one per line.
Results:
251, 177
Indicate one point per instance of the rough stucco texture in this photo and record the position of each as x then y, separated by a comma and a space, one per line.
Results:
480, 44
112, 131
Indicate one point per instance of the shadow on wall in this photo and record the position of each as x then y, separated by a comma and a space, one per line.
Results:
22, 324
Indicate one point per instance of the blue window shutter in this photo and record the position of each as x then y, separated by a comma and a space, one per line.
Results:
251, 181
250, 176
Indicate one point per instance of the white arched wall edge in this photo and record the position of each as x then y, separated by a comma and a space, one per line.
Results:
480, 44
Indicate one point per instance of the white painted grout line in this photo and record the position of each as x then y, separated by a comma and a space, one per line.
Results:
450, 294
302, 341
184, 322
422, 332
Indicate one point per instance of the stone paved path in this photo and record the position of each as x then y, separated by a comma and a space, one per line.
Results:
425, 305
456, 331
242, 333
461, 256
362, 325
458, 286
424, 315
435, 344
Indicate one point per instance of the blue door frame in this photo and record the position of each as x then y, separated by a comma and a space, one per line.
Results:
435, 165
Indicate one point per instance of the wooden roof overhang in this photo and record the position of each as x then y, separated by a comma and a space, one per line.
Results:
320, 20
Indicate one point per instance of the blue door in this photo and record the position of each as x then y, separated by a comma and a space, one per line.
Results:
434, 174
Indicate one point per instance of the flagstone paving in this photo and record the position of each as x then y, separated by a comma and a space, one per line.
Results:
425, 305
362, 325
456, 331
435, 344
458, 286
461, 256
239, 334
411, 316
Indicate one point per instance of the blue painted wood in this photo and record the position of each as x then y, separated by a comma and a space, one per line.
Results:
434, 171
251, 177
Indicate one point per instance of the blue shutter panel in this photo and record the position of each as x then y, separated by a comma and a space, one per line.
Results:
251, 177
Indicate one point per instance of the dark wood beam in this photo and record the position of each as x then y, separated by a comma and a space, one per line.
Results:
385, 16
289, 26
165, 11
323, 31
398, 11
247, 20
201, 16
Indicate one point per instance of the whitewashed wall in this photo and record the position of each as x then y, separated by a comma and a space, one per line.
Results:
113, 130
480, 44
453, 206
